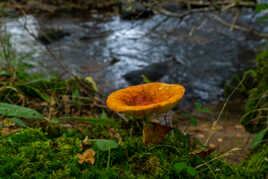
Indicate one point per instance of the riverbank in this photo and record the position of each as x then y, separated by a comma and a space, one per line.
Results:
54, 121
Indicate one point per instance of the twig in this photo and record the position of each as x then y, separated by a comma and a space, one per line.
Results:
181, 15
215, 4
102, 105
234, 20
220, 156
228, 6
241, 28
47, 49
212, 131
117, 113
55, 58
156, 26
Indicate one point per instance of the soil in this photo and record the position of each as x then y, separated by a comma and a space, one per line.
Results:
228, 134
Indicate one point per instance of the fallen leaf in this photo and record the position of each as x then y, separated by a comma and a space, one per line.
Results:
194, 129
155, 121
219, 139
6, 131
87, 157
239, 126
154, 133
212, 145
203, 126
115, 134
203, 153
200, 135
219, 127
43, 104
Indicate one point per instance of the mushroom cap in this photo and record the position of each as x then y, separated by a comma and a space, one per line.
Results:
145, 99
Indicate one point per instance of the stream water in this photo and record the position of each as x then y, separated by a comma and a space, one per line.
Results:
196, 51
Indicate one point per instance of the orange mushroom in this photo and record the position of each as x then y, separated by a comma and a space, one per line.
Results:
146, 99
142, 101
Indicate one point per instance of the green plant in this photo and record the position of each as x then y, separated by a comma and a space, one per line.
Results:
12, 110
256, 165
181, 166
258, 139
256, 117
259, 8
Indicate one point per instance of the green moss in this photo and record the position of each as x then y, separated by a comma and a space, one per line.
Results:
30, 153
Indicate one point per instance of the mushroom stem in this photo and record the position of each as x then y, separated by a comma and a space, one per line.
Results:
153, 132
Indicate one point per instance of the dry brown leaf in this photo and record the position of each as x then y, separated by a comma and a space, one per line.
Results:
6, 131
239, 126
219, 127
202, 153
155, 121
203, 126
115, 134
87, 157
43, 104
154, 133
200, 135
3, 78
194, 129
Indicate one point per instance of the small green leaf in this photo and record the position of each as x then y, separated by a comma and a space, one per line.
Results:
191, 171
76, 93
19, 111
194, 121
18, 122
198, 105
262, 18
105, 144
40, 94
258, 138
145, 79
92, 82
4, 73
260, 7
104, 115
38, 80
179, 167
204, 110
201, 109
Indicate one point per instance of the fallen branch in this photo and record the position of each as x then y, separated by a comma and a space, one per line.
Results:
181, 15
241, 28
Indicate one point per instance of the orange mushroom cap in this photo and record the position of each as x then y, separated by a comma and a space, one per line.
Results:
146, 99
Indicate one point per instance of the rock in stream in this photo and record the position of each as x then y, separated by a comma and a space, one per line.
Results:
196, 51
